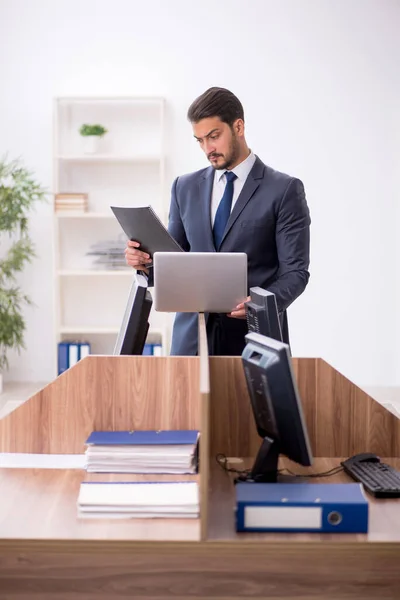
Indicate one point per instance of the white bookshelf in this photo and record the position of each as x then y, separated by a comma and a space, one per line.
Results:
127, 170
85, 215
95, 273
109, 158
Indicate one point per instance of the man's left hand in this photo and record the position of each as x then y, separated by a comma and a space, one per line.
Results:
239, 312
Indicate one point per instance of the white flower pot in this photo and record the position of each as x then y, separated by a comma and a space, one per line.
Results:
91, 144
1, 383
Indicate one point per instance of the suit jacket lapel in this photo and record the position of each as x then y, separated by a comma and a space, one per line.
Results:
205, 191
251, 184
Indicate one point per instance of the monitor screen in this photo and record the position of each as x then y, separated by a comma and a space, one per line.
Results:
135, 324
276, 406
262, 314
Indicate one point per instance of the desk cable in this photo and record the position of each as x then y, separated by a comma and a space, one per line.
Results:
222, 461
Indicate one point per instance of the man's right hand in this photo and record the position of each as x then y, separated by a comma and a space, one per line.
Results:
136, 258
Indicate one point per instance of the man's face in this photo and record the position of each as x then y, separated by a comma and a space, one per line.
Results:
219, 142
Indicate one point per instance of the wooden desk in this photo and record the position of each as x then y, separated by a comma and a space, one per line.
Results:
47, 552
384, 515
41, 504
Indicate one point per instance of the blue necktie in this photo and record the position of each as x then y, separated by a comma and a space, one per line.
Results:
224, 209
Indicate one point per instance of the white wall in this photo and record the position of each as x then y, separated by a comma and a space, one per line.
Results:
320, 85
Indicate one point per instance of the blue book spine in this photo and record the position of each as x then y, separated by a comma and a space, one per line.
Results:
73, 353
157, 350
148, 350
330, 518
84, 350
152, 438
63, 357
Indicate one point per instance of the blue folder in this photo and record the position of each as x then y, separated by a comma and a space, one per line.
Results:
301, 507
69, 353
143, 438
63, 357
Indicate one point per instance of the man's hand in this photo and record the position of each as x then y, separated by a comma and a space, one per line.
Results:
239, 312
136, 258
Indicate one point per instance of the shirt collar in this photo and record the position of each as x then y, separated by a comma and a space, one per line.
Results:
241, 170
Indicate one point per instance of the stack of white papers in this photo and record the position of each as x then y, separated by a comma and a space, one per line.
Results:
173, 452
139, 500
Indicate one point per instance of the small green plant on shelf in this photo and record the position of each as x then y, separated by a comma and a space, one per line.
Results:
97, 130
18, 193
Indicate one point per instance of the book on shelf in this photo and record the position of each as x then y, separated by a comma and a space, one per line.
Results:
139, 500
70, 352
71, 201
152, 349
173, 452
71, 196
109, 255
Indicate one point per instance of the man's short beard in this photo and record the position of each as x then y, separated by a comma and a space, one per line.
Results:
233, 155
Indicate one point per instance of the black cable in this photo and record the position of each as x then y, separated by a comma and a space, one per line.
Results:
222, 461
329, 473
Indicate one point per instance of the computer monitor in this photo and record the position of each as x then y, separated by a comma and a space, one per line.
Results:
262, 314
135, 324
276, 407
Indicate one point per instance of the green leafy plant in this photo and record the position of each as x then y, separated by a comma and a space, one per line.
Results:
18, 193
92, 130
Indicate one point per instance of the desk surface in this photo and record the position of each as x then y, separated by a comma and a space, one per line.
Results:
384, 515
46, 548
41, 504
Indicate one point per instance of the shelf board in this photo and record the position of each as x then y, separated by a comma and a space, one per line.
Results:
94, 272
70, 214
110, 158
87, 330
110, 99
64, 330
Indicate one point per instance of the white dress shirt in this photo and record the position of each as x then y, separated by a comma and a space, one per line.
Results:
241, 171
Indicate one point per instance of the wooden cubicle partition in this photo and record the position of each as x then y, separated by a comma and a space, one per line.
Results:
342, 419
116, 393
205, 426
45, 550
105, 393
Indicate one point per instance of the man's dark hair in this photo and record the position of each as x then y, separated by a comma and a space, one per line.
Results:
216, 102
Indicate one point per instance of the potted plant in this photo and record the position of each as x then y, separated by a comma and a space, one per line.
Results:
91, 135
18, 192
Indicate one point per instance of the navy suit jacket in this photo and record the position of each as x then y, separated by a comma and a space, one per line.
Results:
270, 222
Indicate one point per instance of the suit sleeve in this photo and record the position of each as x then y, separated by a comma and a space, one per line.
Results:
175, 224
293, 245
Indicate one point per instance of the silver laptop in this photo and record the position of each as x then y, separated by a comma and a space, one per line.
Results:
213, 282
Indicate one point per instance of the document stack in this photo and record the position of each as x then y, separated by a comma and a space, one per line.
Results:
109, 254
139, 500
174, 452
71, 202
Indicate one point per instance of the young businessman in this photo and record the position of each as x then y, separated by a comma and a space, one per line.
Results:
238, 204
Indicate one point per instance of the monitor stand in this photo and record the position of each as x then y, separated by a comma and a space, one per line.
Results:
265, 467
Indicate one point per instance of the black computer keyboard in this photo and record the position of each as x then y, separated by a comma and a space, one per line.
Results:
379, 479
